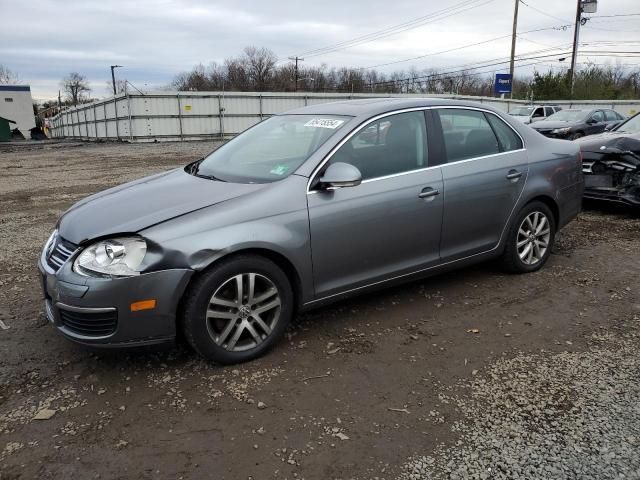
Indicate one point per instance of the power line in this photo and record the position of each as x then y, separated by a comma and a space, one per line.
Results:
456, 48
542, 12
596, 53
619, 15
395, 29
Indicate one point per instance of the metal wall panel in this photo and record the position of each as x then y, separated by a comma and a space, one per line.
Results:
192, 115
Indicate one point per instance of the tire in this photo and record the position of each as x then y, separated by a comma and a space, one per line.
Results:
516, 258
577, 135
226, 331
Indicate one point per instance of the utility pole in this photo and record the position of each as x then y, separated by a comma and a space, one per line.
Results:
113, 78
296, 59
576, 39
584, 6
513, 44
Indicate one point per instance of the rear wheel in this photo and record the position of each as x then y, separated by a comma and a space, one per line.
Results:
530, 239
238, 310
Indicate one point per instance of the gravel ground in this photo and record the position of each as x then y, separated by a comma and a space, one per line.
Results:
568, 415
474, 373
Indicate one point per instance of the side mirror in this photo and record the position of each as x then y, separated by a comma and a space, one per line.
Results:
591, 121
609, 127
340, 175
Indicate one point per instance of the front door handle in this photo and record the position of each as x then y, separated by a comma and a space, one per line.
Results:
513, 175
428, 192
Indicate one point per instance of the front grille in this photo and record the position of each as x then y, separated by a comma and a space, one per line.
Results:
59, 252
89, 324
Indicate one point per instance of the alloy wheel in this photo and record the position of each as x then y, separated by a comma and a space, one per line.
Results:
243, 312
533, 238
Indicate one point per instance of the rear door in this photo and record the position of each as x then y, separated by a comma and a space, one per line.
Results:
387, 226
484, 174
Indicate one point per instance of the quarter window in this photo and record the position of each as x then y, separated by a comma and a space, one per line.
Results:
548, 111
509, 140
393, 144
467, 134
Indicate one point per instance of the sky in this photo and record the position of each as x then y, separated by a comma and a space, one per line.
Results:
43, 40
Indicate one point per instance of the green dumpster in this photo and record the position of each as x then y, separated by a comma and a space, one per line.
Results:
5, 129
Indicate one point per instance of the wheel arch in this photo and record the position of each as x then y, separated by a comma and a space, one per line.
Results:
278, 258
549, 202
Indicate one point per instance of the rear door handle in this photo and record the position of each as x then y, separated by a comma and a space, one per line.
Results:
428, 192
513, 175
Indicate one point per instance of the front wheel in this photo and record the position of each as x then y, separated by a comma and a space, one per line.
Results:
577, 135
530, 239
238, 309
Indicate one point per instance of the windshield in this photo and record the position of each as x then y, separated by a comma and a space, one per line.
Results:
271, 150
568, 116
522, 111
630, 126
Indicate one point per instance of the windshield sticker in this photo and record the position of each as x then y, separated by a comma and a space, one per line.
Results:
324, 123
279, 170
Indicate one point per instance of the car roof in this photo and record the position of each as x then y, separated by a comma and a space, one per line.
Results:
375, 106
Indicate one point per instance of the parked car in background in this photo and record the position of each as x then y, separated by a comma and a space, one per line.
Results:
611, 163
305, 208
574, 123
533, 113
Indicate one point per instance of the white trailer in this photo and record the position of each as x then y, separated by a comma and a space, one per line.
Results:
16, 104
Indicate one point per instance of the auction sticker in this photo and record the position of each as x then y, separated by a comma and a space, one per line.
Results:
324, 123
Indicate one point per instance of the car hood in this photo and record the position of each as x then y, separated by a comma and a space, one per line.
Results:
544, 124
610, 141
142, 203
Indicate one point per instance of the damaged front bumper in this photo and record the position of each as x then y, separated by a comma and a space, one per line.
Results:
612, 175
98, 312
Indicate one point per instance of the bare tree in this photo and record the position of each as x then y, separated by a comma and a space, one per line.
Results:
120, 85
259, 64
76, 87
7, 76
256, 69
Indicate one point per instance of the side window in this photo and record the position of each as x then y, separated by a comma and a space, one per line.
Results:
548, 111
467, 134
539, 113
598, 116
509, 140
557, 109
610, 116
394, 144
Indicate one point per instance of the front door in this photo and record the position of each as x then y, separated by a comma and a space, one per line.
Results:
483, 178
387, 226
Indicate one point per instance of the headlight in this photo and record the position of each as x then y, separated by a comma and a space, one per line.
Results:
118, 257
561, 131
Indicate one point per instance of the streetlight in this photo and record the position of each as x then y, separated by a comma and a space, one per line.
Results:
113, 77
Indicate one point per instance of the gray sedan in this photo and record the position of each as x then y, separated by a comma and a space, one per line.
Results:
303, 209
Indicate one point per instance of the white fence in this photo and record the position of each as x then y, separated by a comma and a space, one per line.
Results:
199, 115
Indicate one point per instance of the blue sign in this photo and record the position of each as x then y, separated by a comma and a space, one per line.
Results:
503, 83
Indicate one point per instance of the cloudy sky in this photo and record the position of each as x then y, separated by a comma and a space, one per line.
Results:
43, 40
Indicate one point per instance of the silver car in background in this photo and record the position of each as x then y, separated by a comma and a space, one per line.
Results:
306, 208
